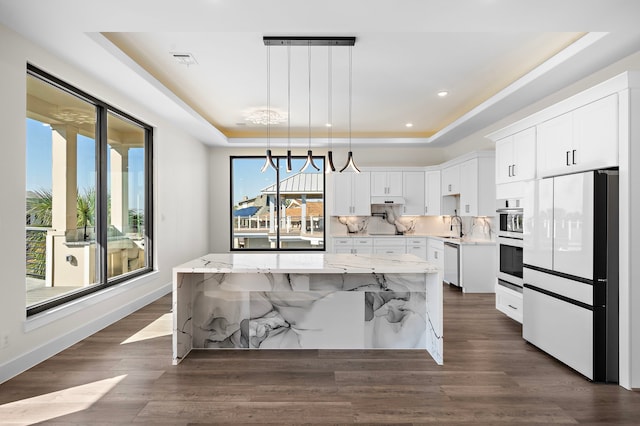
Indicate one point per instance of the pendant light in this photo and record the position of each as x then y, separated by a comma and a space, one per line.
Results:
268, 159
329, 167
350, 162
309, 160
289, 168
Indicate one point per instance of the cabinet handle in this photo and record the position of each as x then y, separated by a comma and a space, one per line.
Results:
466, 208
512, 307
513, 170
568, 158
509, 171
449, 187
426, 209
435, 254
573, 157
404, 209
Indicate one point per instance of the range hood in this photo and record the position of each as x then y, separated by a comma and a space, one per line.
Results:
390, 200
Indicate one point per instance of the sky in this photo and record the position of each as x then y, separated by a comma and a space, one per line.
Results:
249, 181
39, 163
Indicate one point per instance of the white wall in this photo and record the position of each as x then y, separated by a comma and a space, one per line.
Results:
181, 214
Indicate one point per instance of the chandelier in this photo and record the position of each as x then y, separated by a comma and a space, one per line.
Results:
268, 116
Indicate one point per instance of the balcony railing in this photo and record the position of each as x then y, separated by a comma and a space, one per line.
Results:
36, 251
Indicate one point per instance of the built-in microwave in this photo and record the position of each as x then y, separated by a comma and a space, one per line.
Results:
510, 222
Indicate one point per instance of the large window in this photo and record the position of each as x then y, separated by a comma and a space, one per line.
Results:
277, 210
88, 206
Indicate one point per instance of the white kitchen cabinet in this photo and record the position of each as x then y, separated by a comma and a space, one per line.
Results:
477, 187
515, 157
579, 140
417, 246
433, 193
451, 180
353, 245
351, 194
435, 252
469, 188
413, 193
509, 302
386, 183
478, 268
389, 245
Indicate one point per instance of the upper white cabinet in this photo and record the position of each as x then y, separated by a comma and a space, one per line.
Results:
583, 139
477, 187
386, 183
351, 194
515, 157
451, 180
413, 193
433, 193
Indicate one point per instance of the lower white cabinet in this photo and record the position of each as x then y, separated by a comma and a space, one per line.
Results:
353, 245
417, 246
509, 302
435, 252
478, 268
389, 245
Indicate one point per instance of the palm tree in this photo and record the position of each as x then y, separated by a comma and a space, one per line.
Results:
86, 208
39, 207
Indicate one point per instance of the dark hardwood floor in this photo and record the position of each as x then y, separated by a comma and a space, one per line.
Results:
124, 375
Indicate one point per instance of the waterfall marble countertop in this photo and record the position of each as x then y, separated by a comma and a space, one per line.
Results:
468, 241
306, 263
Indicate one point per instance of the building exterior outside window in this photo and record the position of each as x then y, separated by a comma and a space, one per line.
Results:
277, 210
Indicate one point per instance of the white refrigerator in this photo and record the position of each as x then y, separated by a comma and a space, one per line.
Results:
570, 274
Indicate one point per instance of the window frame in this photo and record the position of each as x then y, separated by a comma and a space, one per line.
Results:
277, 159
102, 111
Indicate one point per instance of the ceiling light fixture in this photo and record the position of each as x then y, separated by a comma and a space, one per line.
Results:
289, 167
312, 42
268, 161
329, 167
409, 125
350, 162
265, 116
443, 93
309, 160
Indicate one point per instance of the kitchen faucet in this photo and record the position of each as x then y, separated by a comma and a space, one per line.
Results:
459, 220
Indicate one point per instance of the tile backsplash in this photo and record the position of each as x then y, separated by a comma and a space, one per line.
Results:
386, 220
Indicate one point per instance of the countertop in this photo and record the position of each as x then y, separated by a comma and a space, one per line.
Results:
464, 240
306, 263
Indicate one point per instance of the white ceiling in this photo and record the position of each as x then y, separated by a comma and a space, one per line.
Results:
492, 56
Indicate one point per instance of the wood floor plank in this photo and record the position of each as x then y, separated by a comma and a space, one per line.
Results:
491, 376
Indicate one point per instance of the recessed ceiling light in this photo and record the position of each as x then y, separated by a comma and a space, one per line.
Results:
443, 93
409, 125
328, 125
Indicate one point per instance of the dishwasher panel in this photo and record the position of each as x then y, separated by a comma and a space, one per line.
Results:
452, 263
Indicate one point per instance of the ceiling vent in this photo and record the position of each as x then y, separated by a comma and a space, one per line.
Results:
184, 58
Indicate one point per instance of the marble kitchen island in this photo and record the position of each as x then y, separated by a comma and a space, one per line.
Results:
307, 301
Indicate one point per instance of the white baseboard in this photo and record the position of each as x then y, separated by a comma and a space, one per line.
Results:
35, 356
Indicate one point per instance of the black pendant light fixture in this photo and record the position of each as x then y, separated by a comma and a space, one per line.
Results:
309, 42
309, 160
350, 163
329, 167
268, 161
289, 167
